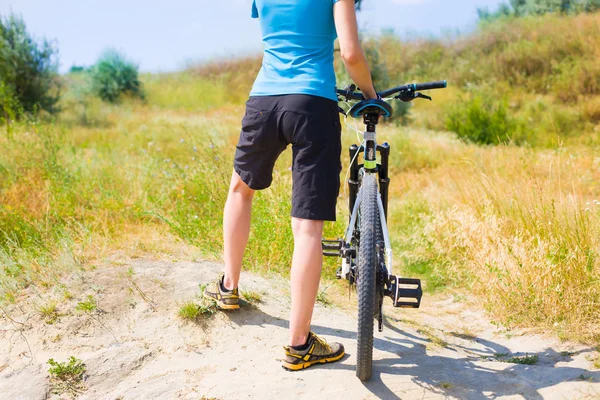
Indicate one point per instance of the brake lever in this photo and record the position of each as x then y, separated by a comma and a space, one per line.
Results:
349, 91
423, 96
410, 96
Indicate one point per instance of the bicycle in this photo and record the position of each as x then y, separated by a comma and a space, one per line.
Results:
365, 249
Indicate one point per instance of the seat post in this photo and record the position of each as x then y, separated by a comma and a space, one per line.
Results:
370, 120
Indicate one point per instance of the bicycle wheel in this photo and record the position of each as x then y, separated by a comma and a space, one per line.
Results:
366, 276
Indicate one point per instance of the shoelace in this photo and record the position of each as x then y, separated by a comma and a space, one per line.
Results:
322, 342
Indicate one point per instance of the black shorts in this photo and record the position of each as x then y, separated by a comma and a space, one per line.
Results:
312, 125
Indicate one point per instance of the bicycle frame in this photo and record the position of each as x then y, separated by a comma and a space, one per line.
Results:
364, 262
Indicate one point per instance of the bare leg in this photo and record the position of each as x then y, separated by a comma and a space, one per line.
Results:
306, 273
236, 228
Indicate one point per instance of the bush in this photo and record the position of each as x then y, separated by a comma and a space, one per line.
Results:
576, 79
483, 120
113, 76
28, 71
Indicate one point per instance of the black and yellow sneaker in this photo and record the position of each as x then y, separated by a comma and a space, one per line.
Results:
315, 351
225, 299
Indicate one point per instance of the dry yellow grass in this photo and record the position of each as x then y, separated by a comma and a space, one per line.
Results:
520, 227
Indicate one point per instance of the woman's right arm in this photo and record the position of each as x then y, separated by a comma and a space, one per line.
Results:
351, 50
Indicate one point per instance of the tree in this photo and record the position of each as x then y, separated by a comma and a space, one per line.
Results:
114, 76
28, 70
519, 8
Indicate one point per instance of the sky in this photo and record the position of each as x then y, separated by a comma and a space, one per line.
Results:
170, 35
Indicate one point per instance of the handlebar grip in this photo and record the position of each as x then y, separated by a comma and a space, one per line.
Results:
431, 85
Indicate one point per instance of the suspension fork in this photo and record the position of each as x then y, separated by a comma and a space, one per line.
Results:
353, 183
384, 178
382, 170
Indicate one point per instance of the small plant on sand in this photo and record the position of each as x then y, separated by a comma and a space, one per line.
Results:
88, 306
323, 297
192, 311
432, 337
189, 311
67, 376
595, 358
252, 296
446, 385
49, 313
524, 360
465, 333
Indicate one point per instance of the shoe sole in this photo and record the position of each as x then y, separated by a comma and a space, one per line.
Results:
298, 367
221, 305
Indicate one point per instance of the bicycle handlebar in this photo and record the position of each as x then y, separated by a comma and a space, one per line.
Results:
349, 94
431, 85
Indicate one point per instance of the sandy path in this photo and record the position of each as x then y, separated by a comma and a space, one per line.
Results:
136, 350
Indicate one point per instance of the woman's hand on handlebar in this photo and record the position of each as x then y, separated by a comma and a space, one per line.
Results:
370, 94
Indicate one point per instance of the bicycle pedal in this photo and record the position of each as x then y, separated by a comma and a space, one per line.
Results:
332, 247
406, 292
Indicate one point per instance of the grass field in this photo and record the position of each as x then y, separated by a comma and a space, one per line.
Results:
517, 226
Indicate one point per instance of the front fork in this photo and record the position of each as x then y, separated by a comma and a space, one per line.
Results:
382, 172
403, 292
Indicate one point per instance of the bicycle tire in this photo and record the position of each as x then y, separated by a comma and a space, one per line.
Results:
366, 277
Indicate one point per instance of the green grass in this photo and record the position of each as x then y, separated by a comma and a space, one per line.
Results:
194, 312
595, 358
567, 353
49, 312
253, 297
64, 371
523, 360
323, 297
432, 337
465, 334
67, 376
87, 306
189, 311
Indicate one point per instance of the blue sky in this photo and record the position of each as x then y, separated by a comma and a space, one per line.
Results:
168, 35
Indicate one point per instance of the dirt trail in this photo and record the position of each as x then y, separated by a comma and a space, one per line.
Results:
136, 348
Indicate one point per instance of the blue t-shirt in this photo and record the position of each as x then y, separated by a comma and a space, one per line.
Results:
298, 38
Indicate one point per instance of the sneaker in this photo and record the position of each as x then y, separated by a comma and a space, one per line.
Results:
225, 299
318, 352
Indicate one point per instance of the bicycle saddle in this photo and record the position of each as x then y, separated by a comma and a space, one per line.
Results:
374, 106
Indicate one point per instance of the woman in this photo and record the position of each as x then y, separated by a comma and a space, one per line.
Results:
293, 101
